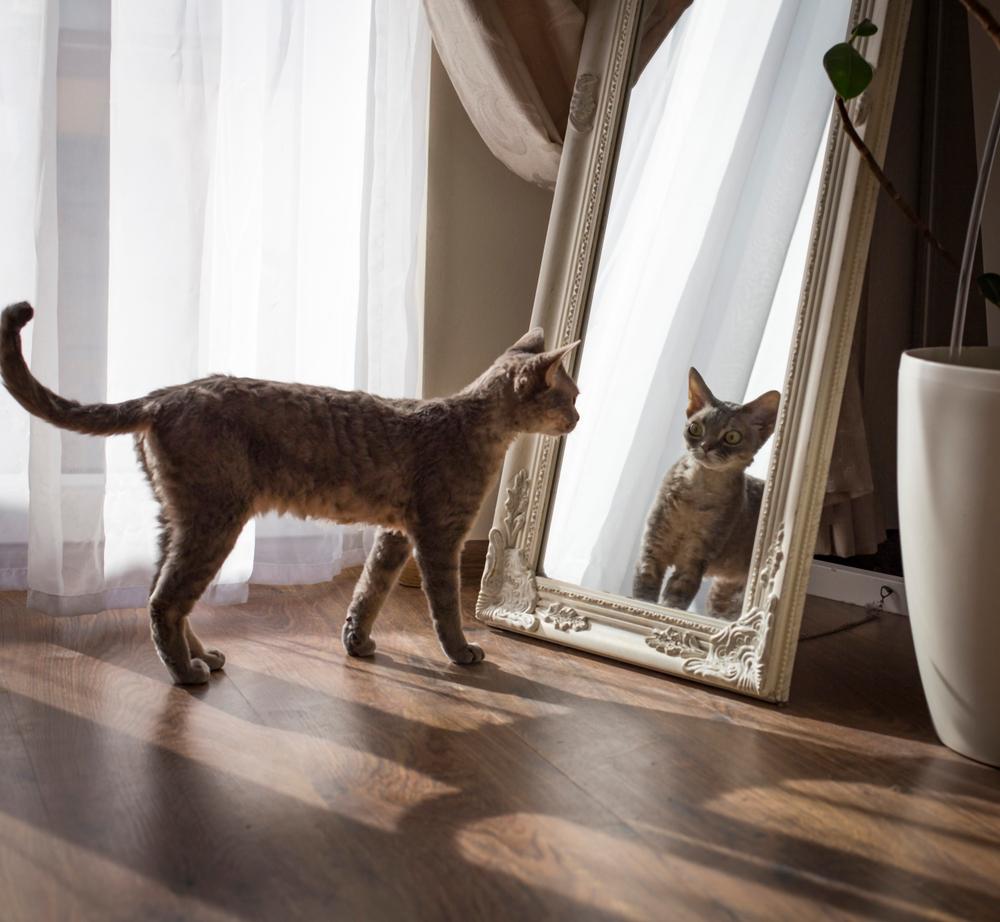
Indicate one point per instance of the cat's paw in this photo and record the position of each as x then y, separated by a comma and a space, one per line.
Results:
468, 655
196, 674
355, 643
214, 659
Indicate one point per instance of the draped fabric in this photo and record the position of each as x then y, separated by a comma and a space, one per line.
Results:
701, 264
513, 64
851, 522
189, 187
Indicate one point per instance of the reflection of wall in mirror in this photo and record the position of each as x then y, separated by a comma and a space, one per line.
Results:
703, 252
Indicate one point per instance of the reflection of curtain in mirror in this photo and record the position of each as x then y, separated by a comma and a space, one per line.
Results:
196, 186
701, 263
852, 516
513, 64
909, 292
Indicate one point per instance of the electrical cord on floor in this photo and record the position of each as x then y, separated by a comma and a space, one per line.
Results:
873, 609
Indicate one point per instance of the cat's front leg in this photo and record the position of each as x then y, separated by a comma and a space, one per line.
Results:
649, 573
683, 585
656, 554
439, 571
725, 598
382, 568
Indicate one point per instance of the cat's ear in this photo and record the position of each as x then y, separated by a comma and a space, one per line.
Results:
540, 371
532, 342
553, 360
699, 396
763, 413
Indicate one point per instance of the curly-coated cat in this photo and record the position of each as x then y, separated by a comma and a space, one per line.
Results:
704, 518
221, 450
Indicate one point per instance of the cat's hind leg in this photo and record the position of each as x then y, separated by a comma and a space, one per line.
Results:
725, 598
214, 659
197, 548
439, 571
382, 568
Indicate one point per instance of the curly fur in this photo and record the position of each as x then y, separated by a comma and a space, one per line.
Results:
220, 450
704, 518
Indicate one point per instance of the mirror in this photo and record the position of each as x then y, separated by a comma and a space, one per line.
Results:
707, 242
700, 267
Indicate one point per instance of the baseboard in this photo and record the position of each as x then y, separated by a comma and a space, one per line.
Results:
473, 563
857, 587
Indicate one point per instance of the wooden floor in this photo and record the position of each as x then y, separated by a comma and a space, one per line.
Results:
542, 785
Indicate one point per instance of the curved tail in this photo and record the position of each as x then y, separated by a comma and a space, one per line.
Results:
92, 419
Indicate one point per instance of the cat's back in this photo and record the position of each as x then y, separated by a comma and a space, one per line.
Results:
219, 396
278, 420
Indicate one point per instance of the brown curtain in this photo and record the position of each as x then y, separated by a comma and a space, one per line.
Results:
852, 521
513, 64
909, 291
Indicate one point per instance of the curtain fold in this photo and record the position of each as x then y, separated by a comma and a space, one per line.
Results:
513, 64
851, 521
240, 190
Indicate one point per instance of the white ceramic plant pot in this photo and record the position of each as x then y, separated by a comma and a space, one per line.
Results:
949, 513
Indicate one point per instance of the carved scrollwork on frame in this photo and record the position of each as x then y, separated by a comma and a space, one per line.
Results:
583, 105
508, 594
734, 653
564, 618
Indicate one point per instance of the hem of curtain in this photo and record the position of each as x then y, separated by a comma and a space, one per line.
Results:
137, 596
278, 574
13, 579
123, 597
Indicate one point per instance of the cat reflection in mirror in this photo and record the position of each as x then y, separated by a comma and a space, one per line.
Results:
704, 518
221, 450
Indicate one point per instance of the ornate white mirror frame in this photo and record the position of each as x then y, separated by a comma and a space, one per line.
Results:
754, 654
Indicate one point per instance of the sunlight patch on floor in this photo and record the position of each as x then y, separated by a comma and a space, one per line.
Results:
884, 825
196, 727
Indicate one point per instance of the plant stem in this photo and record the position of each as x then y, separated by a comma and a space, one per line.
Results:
972, 233
976, 10
889, 188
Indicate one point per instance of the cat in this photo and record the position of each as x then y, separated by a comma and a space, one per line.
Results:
220, 450
704, 518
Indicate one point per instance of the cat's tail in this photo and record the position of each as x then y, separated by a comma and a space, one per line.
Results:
92, 419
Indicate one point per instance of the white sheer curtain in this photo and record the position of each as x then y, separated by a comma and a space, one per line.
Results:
701, 263
197, 186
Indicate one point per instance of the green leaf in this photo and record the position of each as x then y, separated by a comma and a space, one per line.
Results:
989, 285
849, 73
864, 28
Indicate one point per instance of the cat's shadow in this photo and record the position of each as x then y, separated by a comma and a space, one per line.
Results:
377, 732
584, 771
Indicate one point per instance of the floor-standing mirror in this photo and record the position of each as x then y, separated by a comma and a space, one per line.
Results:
707, 243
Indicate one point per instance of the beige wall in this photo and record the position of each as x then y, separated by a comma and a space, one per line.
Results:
985, 60
485, 233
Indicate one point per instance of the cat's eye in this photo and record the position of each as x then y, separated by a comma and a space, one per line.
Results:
732, 437
696, 430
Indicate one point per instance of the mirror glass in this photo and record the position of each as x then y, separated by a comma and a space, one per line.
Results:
693, 305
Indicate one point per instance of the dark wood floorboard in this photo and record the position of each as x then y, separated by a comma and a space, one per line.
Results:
544, 784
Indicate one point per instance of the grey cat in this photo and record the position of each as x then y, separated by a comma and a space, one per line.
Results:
704, 518
221, 450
